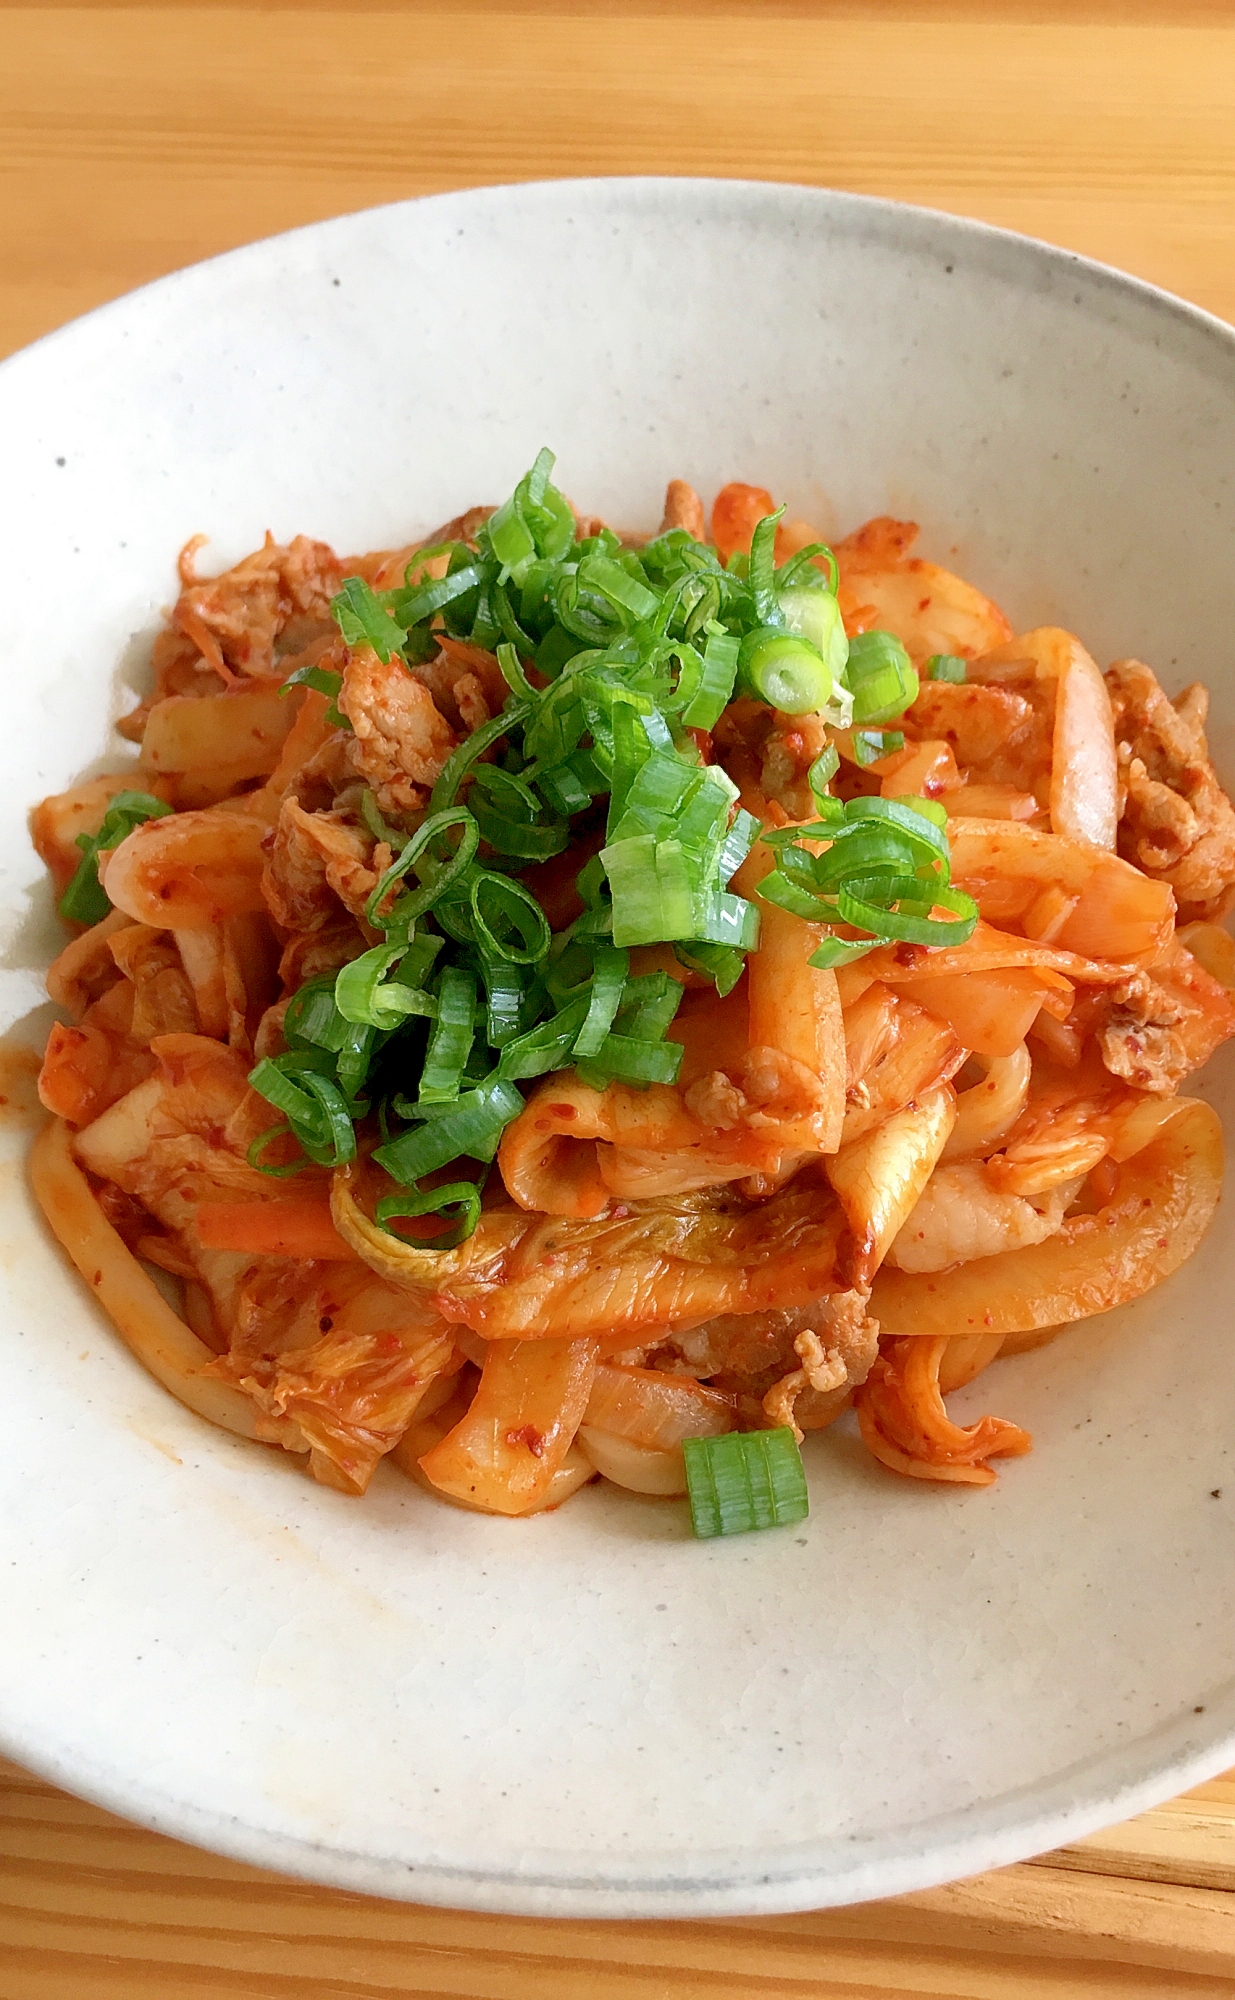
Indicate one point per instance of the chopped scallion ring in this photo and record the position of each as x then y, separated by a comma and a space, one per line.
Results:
945, 667
785, 671
881, 676
460, 1199
744, 1480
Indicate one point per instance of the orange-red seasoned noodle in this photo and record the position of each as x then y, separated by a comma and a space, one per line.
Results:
544, 995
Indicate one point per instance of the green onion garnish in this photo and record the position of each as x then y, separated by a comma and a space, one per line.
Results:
326, 682
618, 661
743, 1480
945, 667
457, 1199
814, 615
881, 676
787, 672
364, 620
869, 745
85, 901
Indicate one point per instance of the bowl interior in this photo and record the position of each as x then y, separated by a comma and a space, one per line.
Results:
591, 1711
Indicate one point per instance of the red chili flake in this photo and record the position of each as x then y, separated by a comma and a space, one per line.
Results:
325, 1323
910, 954
531, 1437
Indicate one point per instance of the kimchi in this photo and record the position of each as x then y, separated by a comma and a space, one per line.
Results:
543, 998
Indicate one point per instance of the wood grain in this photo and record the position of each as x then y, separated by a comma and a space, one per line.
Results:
136, 140
94, 1909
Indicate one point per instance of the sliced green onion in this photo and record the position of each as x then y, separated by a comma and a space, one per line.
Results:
929, 809
515, 837
312, 1016
424, 600
505, 990
600, 573
590, 882
461, 760
548, 1046
761, 573
510, 794
702, 822
622, 1059
509, 537
945, 667
724, 919
451, 1040
859, 905
363, 619
327, 682
360, 996
923, 830
500, 904
85, 901
354, 1059
882, 677
629, 746
789, 576
869, 745
649, 1005
535, 521
634, 652
717, 962
814, 615
705, 684
462, 1198
409, 908
740, 837
419, 958
563, 790
313, 1106
660, 789
837, 951
339, 1142
512, 631
862, 851
819, 777
609, 976
378, 827
743, 1480
800, 900
786, 672
653, 901
556, 650
253, 1156
468, 1127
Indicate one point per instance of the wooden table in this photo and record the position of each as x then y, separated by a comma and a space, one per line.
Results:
133, 141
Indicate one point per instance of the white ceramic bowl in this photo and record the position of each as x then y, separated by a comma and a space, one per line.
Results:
591, 1712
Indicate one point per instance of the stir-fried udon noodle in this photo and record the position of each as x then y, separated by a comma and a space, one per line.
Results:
543, 995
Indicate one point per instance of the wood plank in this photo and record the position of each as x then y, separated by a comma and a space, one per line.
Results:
135, 141
91, 1906
1181, 1842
